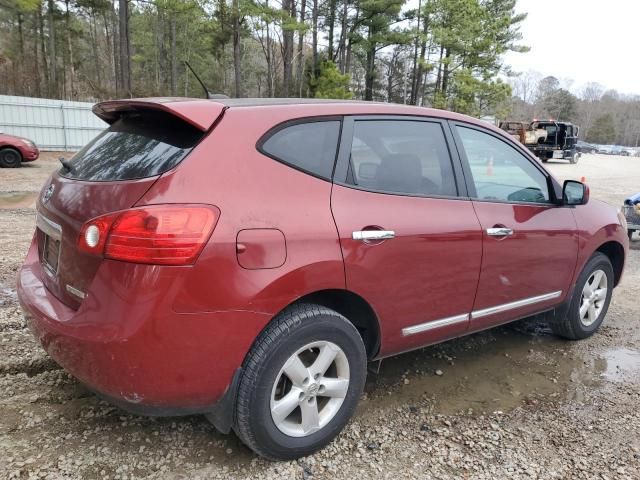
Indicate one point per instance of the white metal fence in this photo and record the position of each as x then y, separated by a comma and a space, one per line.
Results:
52, 124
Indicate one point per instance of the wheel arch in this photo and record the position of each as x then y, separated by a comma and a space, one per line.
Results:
615, 252
355, 309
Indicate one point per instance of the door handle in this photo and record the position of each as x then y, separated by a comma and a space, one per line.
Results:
368, 235
499, 232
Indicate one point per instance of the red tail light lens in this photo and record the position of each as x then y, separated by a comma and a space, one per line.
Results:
158, 234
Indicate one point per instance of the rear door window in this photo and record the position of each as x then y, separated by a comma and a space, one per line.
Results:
402, 157
137, 145
309, 146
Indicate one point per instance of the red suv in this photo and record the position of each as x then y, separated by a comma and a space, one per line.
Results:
246, 258
15, 150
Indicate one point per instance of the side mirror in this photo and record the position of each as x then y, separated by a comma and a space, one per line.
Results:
574, 193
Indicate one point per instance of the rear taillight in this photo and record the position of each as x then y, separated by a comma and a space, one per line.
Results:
156, 234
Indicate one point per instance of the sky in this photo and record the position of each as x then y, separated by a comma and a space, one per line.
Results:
582, 40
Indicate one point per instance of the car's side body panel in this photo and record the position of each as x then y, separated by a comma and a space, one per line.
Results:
533, 266
427, 273
252, 191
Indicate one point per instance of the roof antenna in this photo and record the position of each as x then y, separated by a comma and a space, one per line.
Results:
207, 92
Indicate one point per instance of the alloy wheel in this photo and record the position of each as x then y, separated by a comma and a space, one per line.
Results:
310, 389
594, 295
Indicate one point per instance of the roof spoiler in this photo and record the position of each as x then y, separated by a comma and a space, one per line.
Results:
201, 114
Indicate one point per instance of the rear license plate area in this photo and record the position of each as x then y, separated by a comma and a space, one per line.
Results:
49, 236
51, 253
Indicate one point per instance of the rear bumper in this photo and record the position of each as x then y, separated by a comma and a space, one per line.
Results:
126, 343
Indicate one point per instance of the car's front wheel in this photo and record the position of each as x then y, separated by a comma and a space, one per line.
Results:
10, 158
590, 300
301, 383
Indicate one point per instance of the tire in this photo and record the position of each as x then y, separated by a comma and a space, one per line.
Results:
574, 158
264, 382
575, 326
10, 158
544, 160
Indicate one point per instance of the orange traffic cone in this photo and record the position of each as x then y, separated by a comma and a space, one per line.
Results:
490, 167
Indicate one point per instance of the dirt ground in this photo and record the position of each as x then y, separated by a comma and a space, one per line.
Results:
513, 402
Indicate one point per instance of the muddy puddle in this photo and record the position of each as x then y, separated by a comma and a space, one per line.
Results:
623, 365
496, 370
10, 200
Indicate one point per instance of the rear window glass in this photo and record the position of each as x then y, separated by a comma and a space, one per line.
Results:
307, 146
138, 145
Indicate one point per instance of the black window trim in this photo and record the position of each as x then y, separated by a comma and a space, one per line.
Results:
552, 185
344, 155
300, 121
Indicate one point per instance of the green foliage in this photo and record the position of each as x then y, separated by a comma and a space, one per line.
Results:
477, 97
447, 53
331, 83
603, 130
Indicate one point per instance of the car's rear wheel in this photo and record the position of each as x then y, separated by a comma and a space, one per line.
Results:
301, 383
10, 158
590, 301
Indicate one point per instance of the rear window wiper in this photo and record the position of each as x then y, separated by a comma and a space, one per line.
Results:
66, 164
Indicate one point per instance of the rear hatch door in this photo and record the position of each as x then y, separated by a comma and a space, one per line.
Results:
110, 174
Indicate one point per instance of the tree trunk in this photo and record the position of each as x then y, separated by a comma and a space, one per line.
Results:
42, 48
314, 39
347, 57
423, 50
439, 76
72, 72
269, 59
125, 49
36, 57
445, 74
343, 37
20, 65
287, 49
300, 75
414, 70
174, 62
371, 69
53, 86
236, 47
331, 23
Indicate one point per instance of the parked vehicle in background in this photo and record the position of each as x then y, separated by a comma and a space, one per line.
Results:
246, 258
15, 150
584, 147
605, 149
560, 142
522, 132
626, 152
631, 210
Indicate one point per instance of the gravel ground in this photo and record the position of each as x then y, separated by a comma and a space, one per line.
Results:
513, 402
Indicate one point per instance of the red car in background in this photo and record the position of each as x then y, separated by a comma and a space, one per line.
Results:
15, 150
246, 258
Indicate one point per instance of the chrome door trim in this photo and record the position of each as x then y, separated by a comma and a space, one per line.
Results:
423, 327
365, 235
485, 312
499, 232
